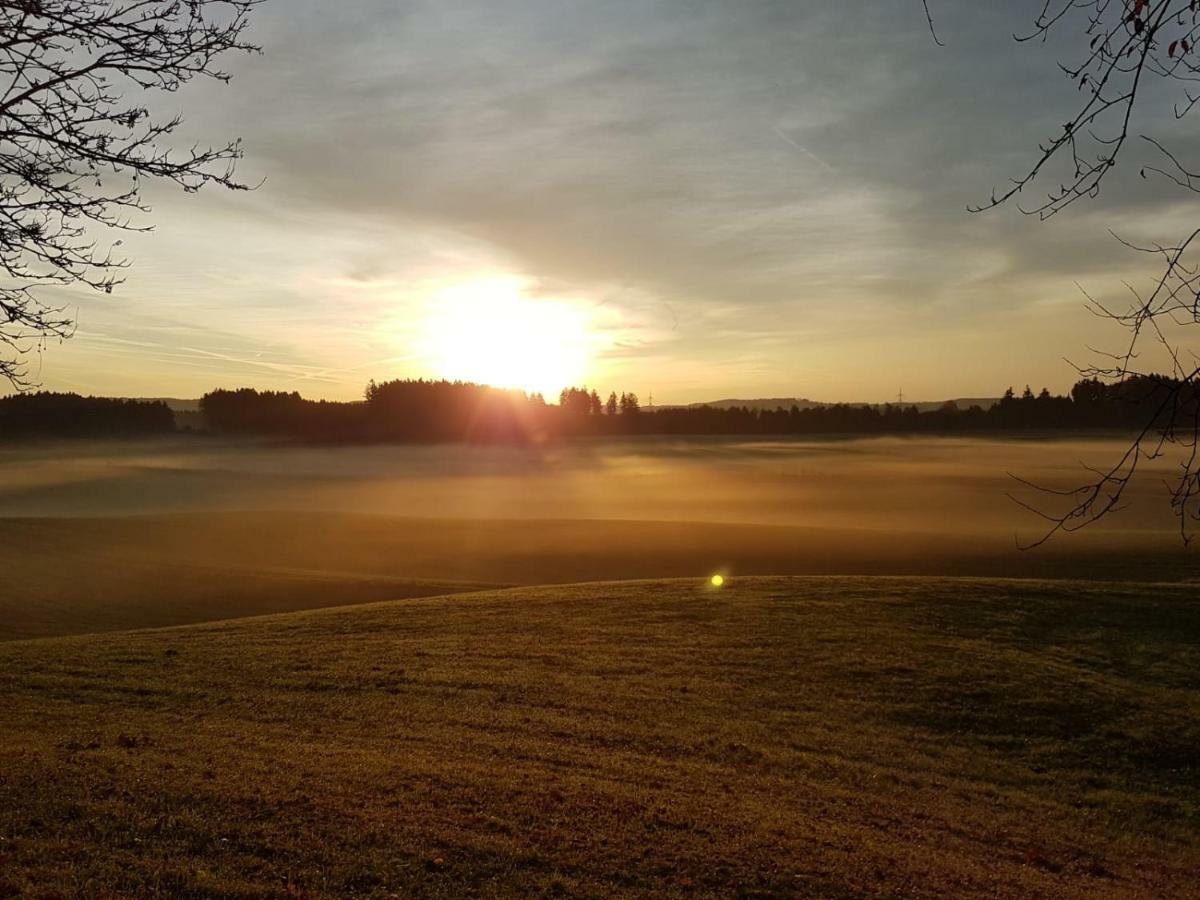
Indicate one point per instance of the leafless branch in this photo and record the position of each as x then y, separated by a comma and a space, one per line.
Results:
1131, 46
75, 143
929, 19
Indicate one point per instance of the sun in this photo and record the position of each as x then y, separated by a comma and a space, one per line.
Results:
488, 331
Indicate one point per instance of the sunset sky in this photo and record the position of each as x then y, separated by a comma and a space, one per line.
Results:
694, 199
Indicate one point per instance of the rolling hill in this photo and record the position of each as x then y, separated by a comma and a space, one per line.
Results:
832, 737
89, 574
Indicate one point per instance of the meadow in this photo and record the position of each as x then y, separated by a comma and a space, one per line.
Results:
528, 686
780, 737
116, 536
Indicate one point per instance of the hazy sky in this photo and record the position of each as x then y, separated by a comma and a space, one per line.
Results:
728, 199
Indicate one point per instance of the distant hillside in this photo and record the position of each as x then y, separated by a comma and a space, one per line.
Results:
960, 402
772, 403
761, 403
187, 412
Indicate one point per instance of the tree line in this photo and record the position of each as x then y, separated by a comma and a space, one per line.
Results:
43, 414
420, 410
439, 411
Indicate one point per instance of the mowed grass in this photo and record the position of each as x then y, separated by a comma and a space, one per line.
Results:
110, 575
90, 574
829, 737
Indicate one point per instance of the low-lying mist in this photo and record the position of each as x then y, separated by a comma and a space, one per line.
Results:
950, 485
110, 536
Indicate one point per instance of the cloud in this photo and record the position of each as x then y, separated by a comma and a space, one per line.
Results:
739, 179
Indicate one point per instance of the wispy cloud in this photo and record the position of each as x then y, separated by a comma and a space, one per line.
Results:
773, 187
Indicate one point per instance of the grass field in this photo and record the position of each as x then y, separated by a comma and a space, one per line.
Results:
112, 536
833, 737
91, 575
84, 575
879, 730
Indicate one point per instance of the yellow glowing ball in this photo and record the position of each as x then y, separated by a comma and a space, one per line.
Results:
717, 580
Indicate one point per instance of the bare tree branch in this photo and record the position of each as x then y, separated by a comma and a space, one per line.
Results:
74, 150
1131, 46
929, 19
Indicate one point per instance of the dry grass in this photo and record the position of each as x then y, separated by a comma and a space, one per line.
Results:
80, 575
834, 737
90, 575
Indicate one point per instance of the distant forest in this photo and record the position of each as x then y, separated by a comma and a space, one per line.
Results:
36, 415
455, 411
437, 411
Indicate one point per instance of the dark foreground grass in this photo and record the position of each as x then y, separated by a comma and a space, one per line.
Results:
825, 737
85, 575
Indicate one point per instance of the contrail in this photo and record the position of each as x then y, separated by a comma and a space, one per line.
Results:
824, 165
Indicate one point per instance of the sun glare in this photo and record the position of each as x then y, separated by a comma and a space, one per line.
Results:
490, 332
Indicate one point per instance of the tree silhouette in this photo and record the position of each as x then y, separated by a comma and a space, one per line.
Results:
423, 411
578, 402
76, 143
45, 415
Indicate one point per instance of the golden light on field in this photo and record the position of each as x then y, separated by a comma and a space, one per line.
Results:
488, 331
717, 581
